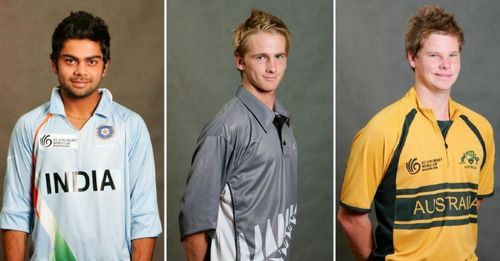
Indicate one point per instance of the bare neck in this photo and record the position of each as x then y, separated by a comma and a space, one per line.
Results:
80, 107
437, 100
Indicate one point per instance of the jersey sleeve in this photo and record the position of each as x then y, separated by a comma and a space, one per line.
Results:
368, 160
200, 203
144, 207
17, 211
486, 176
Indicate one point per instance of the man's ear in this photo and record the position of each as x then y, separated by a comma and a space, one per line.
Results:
54, 66
411, 59
104, 71
238, 59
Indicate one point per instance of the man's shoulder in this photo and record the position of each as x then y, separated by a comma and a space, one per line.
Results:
232, 115
477, 119
390, 119
125, 114
34, 117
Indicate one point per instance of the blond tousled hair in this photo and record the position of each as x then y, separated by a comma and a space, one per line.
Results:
259, 21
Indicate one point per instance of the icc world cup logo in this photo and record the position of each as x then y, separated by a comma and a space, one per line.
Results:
45, 141
413, 166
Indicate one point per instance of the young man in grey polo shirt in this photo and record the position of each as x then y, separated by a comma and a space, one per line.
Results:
240, 202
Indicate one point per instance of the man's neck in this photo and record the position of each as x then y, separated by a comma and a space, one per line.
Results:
267, 98
437, 100
79, 110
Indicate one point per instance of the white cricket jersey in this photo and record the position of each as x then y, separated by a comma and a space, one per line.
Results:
82, 194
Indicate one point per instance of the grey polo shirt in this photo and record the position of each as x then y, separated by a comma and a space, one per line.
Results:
242, 187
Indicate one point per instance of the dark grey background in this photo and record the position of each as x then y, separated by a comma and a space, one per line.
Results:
202, 77
372, 72
135, 76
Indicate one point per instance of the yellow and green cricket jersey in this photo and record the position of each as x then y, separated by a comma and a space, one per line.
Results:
424, 184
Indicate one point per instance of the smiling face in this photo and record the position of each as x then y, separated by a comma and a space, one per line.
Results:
264, 63
437, 64
79, 68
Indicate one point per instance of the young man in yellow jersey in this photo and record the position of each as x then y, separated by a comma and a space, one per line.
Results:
425, 161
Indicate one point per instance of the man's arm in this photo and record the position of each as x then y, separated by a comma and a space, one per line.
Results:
195, 246
145, 219
14, 244
17, 212
358, 230
142, 249
201, 200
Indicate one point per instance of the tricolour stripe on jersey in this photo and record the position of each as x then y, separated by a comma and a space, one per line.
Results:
46, 219
33, 167
62, 252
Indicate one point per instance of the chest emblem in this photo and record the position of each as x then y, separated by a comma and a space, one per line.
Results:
58, 141
105, 131
414, 166
470, 159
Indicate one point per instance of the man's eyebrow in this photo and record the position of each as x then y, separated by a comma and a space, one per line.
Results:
267, 54
86, 58
93, 57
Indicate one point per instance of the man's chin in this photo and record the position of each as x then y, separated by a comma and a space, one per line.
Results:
78, 94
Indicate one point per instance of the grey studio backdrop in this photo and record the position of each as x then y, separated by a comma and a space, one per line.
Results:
201, 77
135, 76
372, 72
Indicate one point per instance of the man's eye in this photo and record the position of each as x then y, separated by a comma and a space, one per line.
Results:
281, 56
69, 61
260, 58
92, 62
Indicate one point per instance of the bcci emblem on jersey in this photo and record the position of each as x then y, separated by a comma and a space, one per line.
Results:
105, 131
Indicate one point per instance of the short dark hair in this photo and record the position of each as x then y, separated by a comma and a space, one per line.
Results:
81, 25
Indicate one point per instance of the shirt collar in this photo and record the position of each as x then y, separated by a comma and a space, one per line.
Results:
412, 97
262, 113
103, 108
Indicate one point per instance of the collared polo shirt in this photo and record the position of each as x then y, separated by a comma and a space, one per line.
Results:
82, 194
424, 185
243, 183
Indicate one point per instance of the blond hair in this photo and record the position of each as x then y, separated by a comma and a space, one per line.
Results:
259, 21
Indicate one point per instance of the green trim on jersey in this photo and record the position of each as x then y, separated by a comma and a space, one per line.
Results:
478, 134
424, 185
385, 198
442, 223
437, 187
